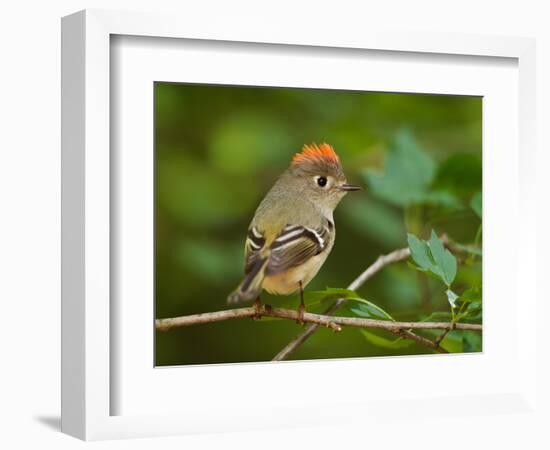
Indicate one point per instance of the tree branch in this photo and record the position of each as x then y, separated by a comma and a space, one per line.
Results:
379, 264
334, 322
403, 329
408, 334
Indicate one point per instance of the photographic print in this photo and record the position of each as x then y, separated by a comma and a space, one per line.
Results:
298, 224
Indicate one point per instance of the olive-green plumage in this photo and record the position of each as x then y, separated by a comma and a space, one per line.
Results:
292, 231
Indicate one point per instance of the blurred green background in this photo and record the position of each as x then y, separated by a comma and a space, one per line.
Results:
220, 148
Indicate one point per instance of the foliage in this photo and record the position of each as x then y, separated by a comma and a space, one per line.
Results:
409, 181
408, 177
218, 150
475, 203
408, 173
432, 256
390, 344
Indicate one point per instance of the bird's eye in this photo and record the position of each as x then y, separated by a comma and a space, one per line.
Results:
322, 181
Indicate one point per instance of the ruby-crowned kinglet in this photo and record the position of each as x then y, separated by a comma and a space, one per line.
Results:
292, 231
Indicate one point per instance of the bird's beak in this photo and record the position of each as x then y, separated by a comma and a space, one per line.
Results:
349, 187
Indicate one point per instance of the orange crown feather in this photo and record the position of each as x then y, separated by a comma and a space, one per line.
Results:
317, 153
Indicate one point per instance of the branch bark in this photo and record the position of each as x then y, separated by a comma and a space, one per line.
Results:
334, 322
327, 319
379, 264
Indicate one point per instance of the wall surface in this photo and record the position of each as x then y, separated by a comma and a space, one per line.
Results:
30, 199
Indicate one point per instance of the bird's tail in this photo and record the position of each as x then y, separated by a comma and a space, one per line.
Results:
251, 286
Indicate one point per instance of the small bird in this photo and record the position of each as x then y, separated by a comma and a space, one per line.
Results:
292, 231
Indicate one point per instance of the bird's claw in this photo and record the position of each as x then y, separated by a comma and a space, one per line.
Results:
258, 308
301, 311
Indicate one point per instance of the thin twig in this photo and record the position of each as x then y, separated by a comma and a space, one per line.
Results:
334, 322
445, 333
408, 334
403, 329
379, 264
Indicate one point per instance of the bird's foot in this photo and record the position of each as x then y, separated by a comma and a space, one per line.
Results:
258, 308
301, 308
301, 311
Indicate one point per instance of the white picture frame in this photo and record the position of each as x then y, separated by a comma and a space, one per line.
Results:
88, 387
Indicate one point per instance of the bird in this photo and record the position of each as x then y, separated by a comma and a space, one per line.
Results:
292, 231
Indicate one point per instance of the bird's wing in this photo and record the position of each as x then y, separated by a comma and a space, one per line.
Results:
255, 263
295, 245
253, 248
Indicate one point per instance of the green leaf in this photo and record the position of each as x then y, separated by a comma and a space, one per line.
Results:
452, 341
476, 204
420, 252
438, 316
474, 311
428, 273
389, 344
471, 341
442, 198
369, 310
408, 172
364, 308
329, 294
444, 259
313, 299
472, 294
460, 174
432, 256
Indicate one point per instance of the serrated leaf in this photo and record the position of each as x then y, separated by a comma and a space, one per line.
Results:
329, 294
428, 273
415, 267
434, 257
379, 341
476, 204
408, 172
420, 252
315, 298
444, 259
369, 310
